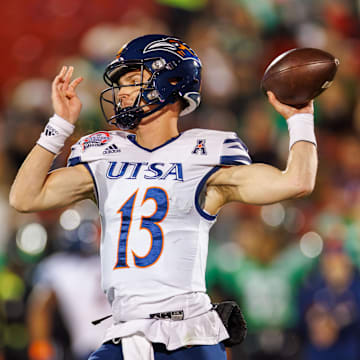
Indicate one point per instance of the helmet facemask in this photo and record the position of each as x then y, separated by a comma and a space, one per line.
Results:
128, 118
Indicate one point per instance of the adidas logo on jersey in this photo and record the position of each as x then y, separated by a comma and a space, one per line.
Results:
50, 131
112, 149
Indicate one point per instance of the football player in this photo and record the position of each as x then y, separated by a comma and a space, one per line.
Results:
158, 192
52, 290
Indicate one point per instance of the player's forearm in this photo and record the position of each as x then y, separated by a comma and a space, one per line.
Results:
299, 177
302, 168
30, 179
296, 181
28, 191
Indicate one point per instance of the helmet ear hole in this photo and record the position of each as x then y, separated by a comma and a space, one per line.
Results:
174, 80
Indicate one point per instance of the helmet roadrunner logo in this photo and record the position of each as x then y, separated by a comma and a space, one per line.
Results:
50, 131
112, 149
200, 147
173, 46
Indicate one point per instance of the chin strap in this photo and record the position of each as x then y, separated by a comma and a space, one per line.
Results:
129, 118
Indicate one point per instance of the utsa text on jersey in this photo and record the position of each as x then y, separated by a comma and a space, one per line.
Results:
151, 171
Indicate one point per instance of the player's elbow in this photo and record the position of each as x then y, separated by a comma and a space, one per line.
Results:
305, 191
304, 187
19, 204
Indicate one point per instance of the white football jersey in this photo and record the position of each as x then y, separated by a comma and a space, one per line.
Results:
154, 230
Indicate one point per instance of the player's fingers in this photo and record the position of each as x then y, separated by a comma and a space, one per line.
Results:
67, 77
59, 77
76, 82
58, 91
70, 92
58, 82
286, 110
273, 100
61, 72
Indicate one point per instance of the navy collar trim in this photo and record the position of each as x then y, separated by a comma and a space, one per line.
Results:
132, 138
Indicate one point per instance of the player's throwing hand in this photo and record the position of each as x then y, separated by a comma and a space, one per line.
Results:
66, 102
287, 111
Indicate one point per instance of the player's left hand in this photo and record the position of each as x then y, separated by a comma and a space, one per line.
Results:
287, 111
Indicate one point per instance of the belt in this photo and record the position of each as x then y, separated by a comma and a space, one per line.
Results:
170, 315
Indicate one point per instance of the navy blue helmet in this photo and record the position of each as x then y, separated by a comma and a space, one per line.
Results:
175, 71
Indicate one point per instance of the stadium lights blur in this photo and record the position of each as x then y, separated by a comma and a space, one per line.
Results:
273, 215
294, 220
31, 238
70, 219
311, 244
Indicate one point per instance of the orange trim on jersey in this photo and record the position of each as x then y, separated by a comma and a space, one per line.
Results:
127, 235
157, 223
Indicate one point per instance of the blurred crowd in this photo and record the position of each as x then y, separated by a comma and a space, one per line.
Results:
293, 267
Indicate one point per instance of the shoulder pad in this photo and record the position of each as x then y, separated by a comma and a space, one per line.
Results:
92, 147
234, 151
225, 146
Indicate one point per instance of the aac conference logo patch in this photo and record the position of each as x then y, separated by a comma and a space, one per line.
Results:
99, 138
200, 147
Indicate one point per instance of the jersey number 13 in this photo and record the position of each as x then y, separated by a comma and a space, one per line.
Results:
149, 223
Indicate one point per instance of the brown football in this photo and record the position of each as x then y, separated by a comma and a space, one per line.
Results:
299, 75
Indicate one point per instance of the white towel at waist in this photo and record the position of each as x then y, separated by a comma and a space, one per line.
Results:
137, 347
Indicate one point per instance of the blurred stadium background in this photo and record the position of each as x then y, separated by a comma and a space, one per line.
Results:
293, 266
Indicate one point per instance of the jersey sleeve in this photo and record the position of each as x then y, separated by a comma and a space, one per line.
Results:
234, 151
89, 148
75, 156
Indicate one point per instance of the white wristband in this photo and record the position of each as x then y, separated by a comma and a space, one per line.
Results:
56, 131
301, 128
